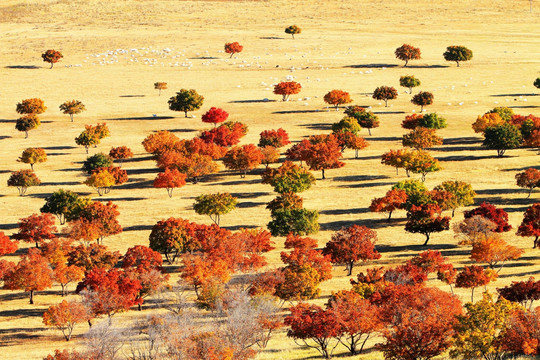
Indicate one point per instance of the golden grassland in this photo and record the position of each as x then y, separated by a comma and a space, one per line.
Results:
345, 44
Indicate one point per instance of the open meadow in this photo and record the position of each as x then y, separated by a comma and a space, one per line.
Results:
114, 51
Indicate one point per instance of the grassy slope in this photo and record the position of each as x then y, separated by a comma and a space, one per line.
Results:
345, 45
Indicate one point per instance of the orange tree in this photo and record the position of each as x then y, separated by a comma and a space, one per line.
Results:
7, 246
52, 57
350, 245
32, 156
243, 158
65, 316
172, 237
385, 93
276, 138
393, 200
337, 97
421, 138
494, 251
233, 48
160, 86
72, 107
170, 179
22, 180
27, 123
407, 52
287, 88
323, 153
529, 179
421, 162
36, 228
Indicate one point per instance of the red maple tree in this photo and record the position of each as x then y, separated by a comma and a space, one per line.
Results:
490, 212
233, 48
36, 228
530, 226
393, 200
215, 115
7, 246
170, 179
287, 88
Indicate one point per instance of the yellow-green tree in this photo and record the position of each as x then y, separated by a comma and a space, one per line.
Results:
101, 181
32, 156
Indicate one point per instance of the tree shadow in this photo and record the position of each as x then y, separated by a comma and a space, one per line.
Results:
251, 101
137, 228
456, 148
384, 138
271, 38
467, 140
372, 157
247, 195
204, 58
524, 107
419, 248
297, 111
22, 312
136, 159
131, 96
26, 67
371, 223
11, 226
141, 118
238, 227
367, 185
70, 170
344, 211
367, 66
102, 199
317, 126
503, 95
136, 184
515, 275
388, 112
182, 130
465, 158
142, 171
249, 204
61, 183
58, 148
523, 168
7, 121
360, 177
499, 191
39, 196
240, 182
3, 137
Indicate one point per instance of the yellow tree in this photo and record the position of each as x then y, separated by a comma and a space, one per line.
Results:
101, 181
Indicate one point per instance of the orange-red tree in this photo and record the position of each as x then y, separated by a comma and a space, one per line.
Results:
474, 276
287, 88
347, 139
490, 212
423, 98
523, 292
227, 134
66, 274
396, 158
65, 316
160, 142
109, 291
393, 200
31, 274
215, 116
529, 179
385, 93
425, 219
494, 251
276, 138
530, 226
422, 138
420, 323
522, 335
170, 179
103, 216
121, 153
92, 256
323, 153
172, 237
7, 246
311, 322
350, 245
36, 228
233, 48
243, 158
356, 317
407, 52
22, 180
337, 97
52, 56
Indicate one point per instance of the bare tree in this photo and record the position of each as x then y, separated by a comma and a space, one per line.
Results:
104, 341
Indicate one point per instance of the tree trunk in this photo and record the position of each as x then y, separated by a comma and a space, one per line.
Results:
63, 289
231, 55
410, 90
406, 62
169, 191
369, 131
32, 167
86, 147
500, 152
89, 322
185, 113
457, 62
472, 295
364, 343
427, 239
535, 242
389, 216
26, 134
71, 116
349, 268
292, 36
52, 64
385, 103
528, 196
323, 174
421, 108
139, 307
453, 211
159, 92
356, 153
31, 297
423, 177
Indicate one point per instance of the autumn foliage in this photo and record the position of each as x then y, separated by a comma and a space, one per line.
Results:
72, 107
490, 212
215, 116
423, 98
233, 48
530, 226
6, 245
407, 52
393, 200
52, 57
422, 138
287, 88
337, 97
425, 219
288, 178
529, 179
170, 179
33, 156
385, 93
276, 138
36, 229
65, 316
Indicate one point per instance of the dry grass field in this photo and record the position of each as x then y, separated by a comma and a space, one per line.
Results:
114, 52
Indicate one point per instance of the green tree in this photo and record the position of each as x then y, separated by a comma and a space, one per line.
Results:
293, 29
97, 161
409, 81
214, 205
537, 83
186, 100
289, 177
502, 137
421, 162
432, 121
457, 54
349, 124
417, 193
463, 193
296, 221
87, 139
65, 204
